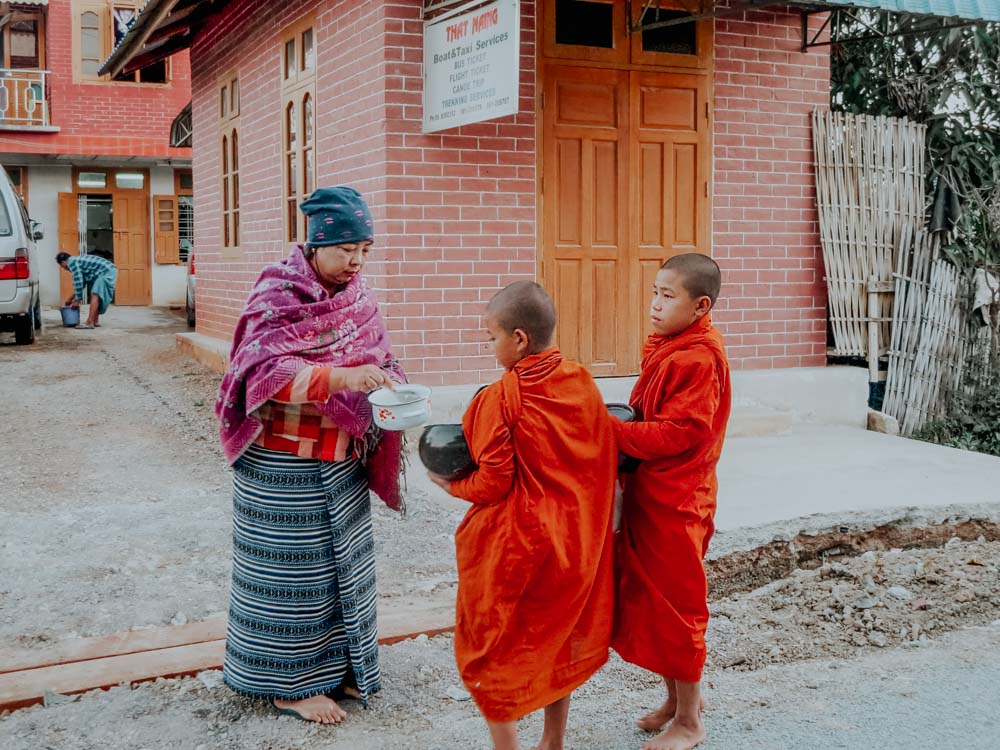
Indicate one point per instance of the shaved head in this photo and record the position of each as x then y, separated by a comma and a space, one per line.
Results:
527, 306
699, 274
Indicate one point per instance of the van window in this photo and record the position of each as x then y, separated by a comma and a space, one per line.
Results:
6, 230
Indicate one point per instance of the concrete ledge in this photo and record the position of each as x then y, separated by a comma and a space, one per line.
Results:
824, 395
209, 351
765, 402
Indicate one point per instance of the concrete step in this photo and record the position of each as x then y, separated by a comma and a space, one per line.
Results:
766, 402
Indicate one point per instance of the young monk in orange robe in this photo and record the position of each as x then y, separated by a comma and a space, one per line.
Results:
535, 551
683, 394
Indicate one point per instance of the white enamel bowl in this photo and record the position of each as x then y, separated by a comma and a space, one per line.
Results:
409, 405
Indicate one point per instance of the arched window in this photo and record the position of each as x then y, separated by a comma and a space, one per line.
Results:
225, 192
298, 96
90, 43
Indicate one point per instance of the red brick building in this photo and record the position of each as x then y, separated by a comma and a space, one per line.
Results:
92, 155
626, 148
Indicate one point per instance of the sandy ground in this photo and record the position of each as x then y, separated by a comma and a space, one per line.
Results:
771, 682
116, 499
116, 507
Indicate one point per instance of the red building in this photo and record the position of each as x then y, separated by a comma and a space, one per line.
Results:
90, 154
626, 148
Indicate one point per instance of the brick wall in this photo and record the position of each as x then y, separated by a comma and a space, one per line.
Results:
765, 226
350, 139
102, 118
455, 211
461, 212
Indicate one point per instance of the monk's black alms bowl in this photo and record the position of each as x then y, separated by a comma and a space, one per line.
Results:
624, 412
444, 452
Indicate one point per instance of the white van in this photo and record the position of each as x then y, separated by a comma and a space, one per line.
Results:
20, 299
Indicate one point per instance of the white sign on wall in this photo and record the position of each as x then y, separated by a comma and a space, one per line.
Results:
471, 65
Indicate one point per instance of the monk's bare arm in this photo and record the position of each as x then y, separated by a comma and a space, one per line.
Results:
684, 418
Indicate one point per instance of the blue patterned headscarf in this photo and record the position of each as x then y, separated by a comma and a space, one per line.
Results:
337, 216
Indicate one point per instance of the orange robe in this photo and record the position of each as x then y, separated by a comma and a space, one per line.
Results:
668, 512
535, 551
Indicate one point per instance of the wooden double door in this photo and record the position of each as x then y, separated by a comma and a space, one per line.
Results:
625, 185
129, 218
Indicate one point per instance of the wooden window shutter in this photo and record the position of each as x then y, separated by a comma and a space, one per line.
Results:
167, 234
69, 238
69, 224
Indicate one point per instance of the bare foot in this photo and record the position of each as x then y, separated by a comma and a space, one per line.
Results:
680, 735
319, 708
654, 721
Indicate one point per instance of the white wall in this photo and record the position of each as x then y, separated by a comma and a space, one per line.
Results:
169, 282
44, 185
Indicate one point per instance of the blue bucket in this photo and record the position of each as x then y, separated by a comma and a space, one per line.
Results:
70, 316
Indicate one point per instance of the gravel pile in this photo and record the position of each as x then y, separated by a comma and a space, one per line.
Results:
877, 600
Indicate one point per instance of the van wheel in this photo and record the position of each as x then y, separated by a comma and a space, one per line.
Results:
25, 332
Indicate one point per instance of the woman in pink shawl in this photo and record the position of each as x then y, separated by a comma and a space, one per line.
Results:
297, 428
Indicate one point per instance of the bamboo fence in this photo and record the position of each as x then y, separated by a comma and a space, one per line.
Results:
869, 185
929, 342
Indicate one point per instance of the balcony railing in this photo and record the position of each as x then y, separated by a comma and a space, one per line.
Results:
24, 99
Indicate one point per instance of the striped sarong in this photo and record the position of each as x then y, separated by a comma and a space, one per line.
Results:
302, 605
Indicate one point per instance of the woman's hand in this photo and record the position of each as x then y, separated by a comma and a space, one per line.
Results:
74, 302
366, 378
440, 481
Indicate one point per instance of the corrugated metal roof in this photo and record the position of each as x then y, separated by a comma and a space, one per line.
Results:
974, 10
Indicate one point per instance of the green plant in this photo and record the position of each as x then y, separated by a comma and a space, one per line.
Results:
948, 80
973, 423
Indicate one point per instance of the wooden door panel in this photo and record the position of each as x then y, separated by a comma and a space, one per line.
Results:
589, 105
569, 187
607, 173
585, 197
667, 107
685, 205
625, 167
651, 193
132, 250
670, 141
565, 288
69, 238
671, 136
602, 330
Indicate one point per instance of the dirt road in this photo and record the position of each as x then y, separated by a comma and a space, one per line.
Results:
116, 507
805, 673
116, 498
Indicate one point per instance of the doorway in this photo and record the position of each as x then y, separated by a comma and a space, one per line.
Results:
109, 213
625, 168
95, 217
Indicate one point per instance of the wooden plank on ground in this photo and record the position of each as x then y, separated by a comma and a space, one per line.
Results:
430, 616
26, 686
117, 644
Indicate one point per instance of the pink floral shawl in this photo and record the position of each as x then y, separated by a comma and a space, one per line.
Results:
292, 321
